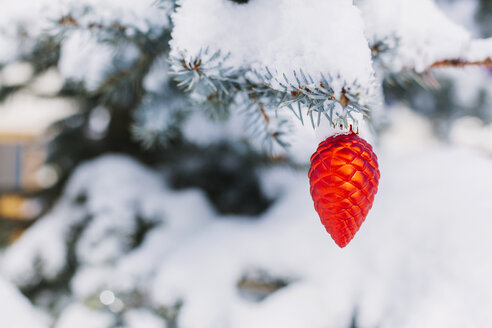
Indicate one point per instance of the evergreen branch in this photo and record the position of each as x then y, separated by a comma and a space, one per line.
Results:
320, 99
211, 83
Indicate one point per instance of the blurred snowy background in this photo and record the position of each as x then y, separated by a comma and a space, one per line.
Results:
128, 202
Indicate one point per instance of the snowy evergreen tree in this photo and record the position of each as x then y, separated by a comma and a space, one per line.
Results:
181, 197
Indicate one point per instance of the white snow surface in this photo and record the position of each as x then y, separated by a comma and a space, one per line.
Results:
79, 316
480, 50
319, 37
462, 12
142, 318
472, 132
16, 310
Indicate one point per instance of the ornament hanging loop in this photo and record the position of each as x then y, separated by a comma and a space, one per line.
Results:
347, 124
354, 128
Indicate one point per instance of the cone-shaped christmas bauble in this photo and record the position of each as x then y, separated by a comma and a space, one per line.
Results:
344, 178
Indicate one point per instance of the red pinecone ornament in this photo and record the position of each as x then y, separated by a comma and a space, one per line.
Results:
344, 179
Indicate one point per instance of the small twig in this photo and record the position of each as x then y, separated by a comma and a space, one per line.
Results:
487, 62
70, 21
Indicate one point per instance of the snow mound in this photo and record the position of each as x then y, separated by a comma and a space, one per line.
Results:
79, 316
414, 262
16, 310
418, 260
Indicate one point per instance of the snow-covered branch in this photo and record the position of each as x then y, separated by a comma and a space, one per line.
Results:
479, 54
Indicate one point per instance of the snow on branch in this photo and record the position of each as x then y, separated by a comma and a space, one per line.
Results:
416, 35
268, 62
17, 310
479, 54
146, 17
422, 32
24, 22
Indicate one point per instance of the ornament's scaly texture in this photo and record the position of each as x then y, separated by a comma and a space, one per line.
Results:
344, 178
